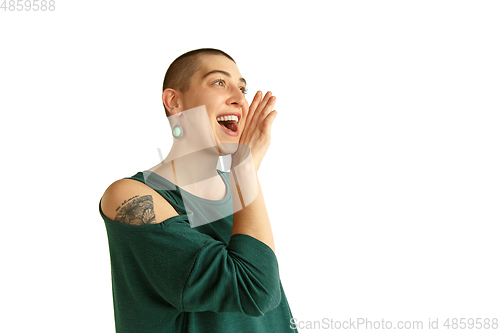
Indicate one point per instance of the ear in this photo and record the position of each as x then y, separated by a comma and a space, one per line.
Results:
172, 100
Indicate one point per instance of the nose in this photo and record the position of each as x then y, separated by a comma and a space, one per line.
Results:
237, 98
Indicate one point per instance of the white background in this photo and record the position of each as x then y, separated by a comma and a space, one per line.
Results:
381, 181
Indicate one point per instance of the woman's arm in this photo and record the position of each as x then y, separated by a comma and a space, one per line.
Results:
250, 217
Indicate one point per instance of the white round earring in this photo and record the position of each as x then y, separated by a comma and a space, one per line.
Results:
177, 130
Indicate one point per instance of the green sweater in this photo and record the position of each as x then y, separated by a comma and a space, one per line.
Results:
170, 277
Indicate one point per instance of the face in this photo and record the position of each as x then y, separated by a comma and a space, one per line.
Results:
219, 86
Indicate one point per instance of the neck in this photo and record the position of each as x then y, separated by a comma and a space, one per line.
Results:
189, 169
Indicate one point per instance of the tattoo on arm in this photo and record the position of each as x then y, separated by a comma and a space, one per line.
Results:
125, 201
137, 211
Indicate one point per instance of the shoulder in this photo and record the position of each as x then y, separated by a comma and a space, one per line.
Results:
129, 201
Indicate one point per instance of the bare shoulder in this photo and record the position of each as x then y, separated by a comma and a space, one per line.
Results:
129, 201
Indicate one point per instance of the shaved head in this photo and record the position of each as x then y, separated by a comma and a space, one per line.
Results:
182, 69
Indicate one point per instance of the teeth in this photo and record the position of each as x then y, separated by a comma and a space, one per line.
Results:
227, 118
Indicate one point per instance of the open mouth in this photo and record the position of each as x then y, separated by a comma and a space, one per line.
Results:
229, 122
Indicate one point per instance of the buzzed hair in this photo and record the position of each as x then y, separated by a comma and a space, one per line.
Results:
182, 69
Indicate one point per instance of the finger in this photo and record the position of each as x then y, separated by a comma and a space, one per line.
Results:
256, 101
249, 116
253, 106
268, 108
257, 115
264, 102
266, 126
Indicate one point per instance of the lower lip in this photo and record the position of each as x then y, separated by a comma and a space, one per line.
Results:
229, 132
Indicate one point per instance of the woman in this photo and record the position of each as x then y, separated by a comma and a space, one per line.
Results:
191, 247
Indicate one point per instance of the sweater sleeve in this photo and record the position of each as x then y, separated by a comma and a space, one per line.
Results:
194, 272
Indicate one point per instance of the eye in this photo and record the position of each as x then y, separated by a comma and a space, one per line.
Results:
221, 81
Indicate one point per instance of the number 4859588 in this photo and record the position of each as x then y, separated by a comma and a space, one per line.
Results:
27, 5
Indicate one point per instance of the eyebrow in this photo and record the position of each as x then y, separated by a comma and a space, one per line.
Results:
223, 73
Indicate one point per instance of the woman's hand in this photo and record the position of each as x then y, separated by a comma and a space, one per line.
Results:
256, 136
